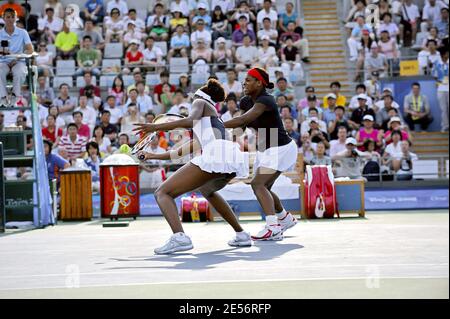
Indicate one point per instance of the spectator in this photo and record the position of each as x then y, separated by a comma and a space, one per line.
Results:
44, 60
317, 133
184, 84
219, 22
164, 78
73, 143
193, 6
51, 132
410, 18
44, 93
166, 98
338, 122
19, 43
290, 126
97, 38
306, 148
239, 34
11, 5
201, 51
200, 32
72, 17
132, 33
103, 142
328, 114
388, 47
89, 84
138, 23
356, 12
66, 44
179, 44
267, 55
222, 56
83, 129
225, 5
392, 149
57, 7
93, 10
110, 129
49, 26
338, 145
380, 104
137, 76
245, 11
364, 47
282, 101
88, 58
382, 115
118, 91
153, 55
360, 89
267, 12
356, 36
144, 101
442, 25
60, 123
403, 162
114, 110
312, 106
376, 62
369, 132
303, 103
440, 72
127, 124
123, 139
427, 58
121, 5
246, 55
340, 99
431, 14
287, 17
268, 31
232, 85
290, 58
89, 114
299, 42
114, 27
179, 103
152, 173
178, 19
231, 107
320, 158
282, 88
373, 86
359, 113
350, 161
286, 112
202, 15
134, 58
54, 162
395, 125
65, 103
93, 160
388, 26
417, 109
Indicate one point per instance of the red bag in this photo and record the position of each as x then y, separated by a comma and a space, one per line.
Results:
320, 192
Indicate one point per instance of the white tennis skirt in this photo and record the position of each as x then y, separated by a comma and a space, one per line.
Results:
222, 156
279, 158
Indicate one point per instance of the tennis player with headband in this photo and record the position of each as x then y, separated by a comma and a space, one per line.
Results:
220, 161
276, 151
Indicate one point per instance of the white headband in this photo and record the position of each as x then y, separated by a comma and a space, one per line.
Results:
205, 96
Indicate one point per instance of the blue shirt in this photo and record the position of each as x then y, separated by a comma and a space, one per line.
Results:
91, 5
17, 42
287, 19
357, 30
54, 161
177, 41
328, 116
206, 18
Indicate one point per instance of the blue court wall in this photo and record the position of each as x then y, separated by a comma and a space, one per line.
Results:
401, 86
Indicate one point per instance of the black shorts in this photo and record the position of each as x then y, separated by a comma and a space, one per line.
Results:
216, 184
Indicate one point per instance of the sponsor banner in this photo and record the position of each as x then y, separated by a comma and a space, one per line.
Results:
406, 199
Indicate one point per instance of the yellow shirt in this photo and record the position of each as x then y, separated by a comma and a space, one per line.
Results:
341, 101
66, 41
174, 22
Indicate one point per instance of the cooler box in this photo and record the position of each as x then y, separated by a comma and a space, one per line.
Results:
195, 209
119, 187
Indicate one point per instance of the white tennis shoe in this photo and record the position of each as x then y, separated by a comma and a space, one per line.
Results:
287, 222
271, 231
176, 242
242, 240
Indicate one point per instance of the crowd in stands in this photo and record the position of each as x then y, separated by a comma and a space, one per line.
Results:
221, 39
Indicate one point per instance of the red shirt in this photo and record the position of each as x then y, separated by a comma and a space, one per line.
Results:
158, 89
51, 136
84, 130
134, 58
97, 91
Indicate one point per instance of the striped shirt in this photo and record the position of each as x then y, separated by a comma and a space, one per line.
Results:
74, 149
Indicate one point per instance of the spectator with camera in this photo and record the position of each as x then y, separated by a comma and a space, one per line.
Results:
349, 162
14, 40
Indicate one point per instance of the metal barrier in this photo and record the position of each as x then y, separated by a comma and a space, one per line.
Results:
2, 193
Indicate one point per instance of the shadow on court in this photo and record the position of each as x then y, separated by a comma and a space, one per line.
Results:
208, 260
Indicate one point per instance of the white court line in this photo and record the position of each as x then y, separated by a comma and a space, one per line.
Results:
223, 281
155, 270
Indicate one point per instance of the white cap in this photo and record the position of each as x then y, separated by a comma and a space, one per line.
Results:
313, 119
350, 140
131, 22
387, 90
395, 119
331, 95
201, 5
362, 96
265, 37
368, 117
221, 40
135, 41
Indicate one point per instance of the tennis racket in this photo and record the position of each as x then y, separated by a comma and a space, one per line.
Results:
145, 140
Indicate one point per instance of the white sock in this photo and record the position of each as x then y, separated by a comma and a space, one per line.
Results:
271, 220
281, 214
